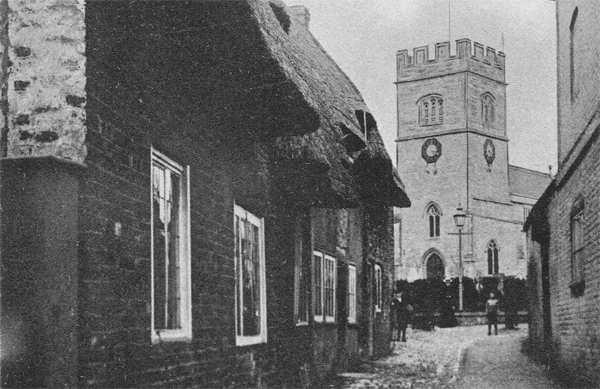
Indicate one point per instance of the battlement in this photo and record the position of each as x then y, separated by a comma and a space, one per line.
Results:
476, 58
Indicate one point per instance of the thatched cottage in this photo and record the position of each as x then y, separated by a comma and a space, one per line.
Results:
193, 195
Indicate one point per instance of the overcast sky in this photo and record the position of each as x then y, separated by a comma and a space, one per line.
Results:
363, 37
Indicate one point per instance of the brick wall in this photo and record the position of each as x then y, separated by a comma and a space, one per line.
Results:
379, 248
575, 318
130, 109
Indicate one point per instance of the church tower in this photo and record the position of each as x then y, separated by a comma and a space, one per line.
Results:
452, 149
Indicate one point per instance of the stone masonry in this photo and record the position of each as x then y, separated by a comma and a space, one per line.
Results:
43, 78
458, 172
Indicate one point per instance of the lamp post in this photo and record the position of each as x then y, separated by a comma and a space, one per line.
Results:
459, 221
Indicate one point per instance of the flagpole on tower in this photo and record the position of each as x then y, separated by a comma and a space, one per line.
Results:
449, 23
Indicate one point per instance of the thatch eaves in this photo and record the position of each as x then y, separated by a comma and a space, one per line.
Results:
345, 124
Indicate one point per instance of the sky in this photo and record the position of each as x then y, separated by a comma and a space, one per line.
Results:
363, 37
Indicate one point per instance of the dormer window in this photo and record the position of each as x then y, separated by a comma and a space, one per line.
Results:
431, 110
366, 121
487, 108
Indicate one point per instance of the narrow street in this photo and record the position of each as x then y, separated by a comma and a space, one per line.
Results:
453, 358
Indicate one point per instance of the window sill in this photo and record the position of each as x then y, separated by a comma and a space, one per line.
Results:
577, 288
326, 323
171, 337
249, 341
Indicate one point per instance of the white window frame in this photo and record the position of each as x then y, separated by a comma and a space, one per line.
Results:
352, 294
244, 340
184, 333
378, 287
328, 263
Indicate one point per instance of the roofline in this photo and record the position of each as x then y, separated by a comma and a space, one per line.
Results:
542, 202
529, 170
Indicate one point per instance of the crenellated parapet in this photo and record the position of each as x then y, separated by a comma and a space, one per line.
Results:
469, 57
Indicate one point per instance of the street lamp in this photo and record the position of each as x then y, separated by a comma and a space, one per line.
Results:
459, 220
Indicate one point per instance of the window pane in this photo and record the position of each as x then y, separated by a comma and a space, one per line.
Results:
329, 287
431, 226
318, 285
159, 246
166, 240
172, 210
250, 268
496, 264
352, 294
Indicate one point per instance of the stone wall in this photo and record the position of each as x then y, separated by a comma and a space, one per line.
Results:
462, 173
43, 78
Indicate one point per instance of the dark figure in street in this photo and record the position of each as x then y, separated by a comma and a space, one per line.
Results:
509, 306
447, 318
491, 310
401, 310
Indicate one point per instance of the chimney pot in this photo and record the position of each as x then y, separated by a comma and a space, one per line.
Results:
301, 14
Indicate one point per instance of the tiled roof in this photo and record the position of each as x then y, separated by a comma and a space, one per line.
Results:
527, 183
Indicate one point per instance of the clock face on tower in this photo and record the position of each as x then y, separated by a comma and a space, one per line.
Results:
489, 151
431, 150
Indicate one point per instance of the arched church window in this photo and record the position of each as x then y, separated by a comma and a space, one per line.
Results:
492, 255
431, 110
487, 108
433, 214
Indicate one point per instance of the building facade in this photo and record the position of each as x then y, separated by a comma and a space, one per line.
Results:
563, 226
453, 151
193, 195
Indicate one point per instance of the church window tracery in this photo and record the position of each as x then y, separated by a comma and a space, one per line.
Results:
433, 215
492, 256
487, 108
431, 110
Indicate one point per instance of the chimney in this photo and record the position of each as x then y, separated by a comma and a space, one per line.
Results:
301, 14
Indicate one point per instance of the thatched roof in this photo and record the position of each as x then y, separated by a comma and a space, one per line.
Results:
239, 72
336, 101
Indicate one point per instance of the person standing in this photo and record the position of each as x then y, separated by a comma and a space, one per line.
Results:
491, 310
447, 318
401, 310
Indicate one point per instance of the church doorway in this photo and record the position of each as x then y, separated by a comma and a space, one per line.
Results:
435, 267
